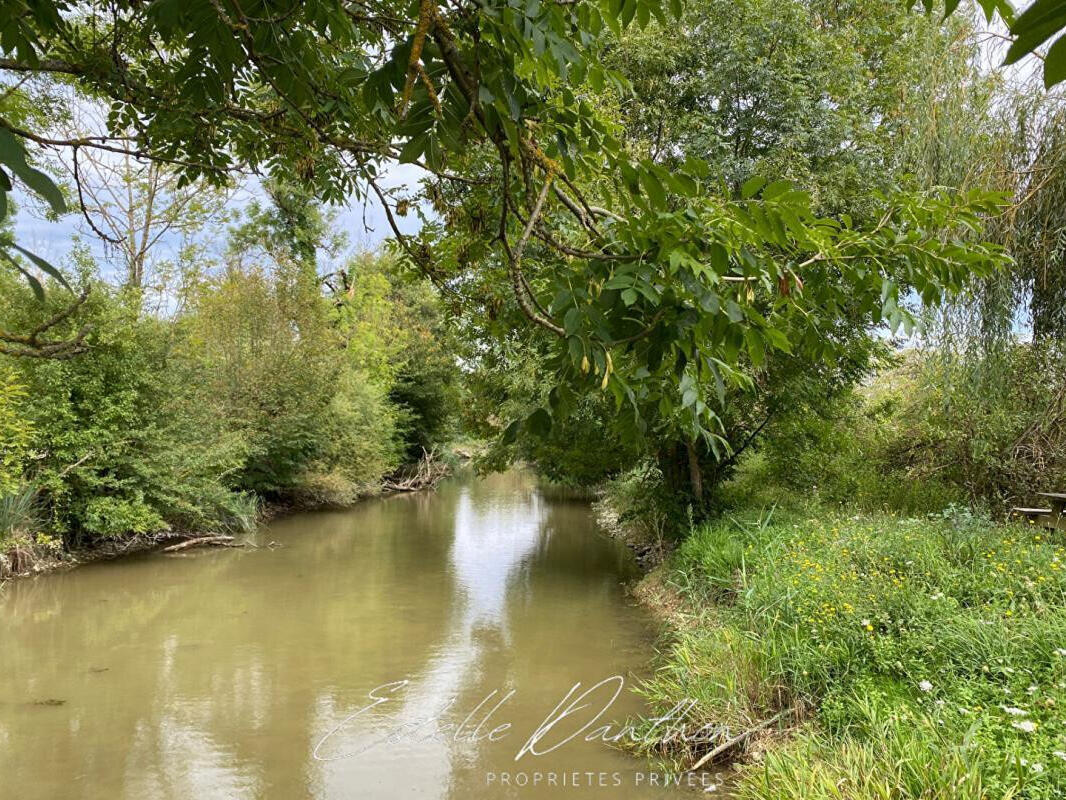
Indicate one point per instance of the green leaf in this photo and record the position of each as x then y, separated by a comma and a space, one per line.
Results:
1037, 24
643, 13
11, 150
776, 189
778, 340
751, 187
510, 433
13, 155
42, 185
684, 184
539, 423
756, 348
413, 149
653, 188
990, 7
1055, 63
35, 284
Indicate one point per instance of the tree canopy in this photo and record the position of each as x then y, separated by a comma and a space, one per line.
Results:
658, 282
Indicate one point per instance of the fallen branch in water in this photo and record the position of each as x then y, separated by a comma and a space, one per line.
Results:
426, 474
738, 739
203, 541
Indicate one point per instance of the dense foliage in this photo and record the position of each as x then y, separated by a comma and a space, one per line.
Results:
262, 386
936, 429
663, 280
819, 98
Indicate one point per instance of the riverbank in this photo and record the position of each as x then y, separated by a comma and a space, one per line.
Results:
26, 556
879, 645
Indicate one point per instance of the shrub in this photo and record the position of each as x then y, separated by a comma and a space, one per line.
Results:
936, 429
19, 513
119, 444
16, 433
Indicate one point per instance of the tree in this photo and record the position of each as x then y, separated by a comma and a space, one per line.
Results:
735, 89
657, 284
134, 206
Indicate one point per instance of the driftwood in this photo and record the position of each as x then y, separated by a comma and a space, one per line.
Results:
426, 474
738, 739
203, 541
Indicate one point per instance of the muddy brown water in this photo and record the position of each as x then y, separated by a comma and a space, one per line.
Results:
409, 647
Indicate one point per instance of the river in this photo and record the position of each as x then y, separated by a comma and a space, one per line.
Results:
408, 647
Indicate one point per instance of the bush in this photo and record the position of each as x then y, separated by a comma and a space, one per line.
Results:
16, 433
935, 430
118, 444
262, 386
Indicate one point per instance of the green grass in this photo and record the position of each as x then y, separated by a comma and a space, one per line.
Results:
928, 656
19, 513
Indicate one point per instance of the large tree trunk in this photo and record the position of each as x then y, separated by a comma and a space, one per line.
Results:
681, 464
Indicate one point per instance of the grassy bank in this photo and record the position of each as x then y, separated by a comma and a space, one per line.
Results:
923, 658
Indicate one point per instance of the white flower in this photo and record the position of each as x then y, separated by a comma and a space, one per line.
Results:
925, 686
1026, 725
1060, 651
1059, 754
1031, 690
937, 596
1038, 767
1014, 712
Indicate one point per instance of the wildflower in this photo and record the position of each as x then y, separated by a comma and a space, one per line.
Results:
1031, 690
925, 686
1014, 712
1038, 767
1060, 651
1059, 754
1026, 725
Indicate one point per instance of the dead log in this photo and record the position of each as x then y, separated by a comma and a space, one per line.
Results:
738, 739
203, 541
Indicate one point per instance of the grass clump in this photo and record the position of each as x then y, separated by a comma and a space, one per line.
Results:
928, 656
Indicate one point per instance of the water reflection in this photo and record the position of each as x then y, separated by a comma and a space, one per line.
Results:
216, 674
